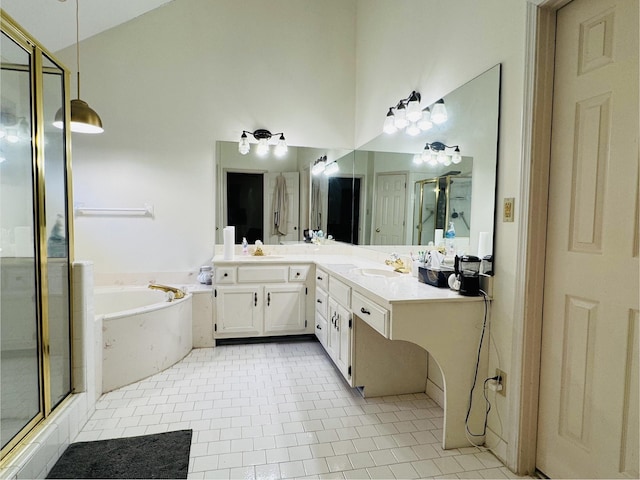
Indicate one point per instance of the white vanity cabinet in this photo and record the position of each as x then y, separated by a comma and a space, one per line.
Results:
261, 300
334, 321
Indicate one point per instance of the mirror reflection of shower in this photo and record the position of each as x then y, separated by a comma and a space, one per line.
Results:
441, 200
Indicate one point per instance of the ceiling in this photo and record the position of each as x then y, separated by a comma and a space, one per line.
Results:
52, 22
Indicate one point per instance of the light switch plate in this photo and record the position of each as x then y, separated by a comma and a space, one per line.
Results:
508, 209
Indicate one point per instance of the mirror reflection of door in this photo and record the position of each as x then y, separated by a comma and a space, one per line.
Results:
343, 208
389, 209
245, 194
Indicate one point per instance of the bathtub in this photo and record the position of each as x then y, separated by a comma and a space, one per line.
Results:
142, 333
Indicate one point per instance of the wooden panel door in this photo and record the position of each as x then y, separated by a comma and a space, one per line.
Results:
588, 411
391, 195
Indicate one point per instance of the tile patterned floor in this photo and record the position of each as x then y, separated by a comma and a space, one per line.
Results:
281, 410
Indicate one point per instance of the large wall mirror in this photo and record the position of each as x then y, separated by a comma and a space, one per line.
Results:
407, 203
378, 195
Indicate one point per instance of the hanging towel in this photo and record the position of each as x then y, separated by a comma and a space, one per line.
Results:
280, 201
316, 205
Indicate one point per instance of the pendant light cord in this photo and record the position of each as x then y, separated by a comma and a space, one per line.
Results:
78, 43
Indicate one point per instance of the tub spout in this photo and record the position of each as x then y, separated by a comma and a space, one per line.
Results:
178, 294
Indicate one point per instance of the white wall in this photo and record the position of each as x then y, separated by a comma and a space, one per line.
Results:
172, 82
434, 46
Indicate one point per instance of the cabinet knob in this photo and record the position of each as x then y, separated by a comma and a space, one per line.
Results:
318, 327
225, 275
255, 299
297, 274
365, 311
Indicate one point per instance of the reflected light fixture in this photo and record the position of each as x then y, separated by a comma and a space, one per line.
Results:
319, 165
435, 154
83, 118
262, 136
408, 115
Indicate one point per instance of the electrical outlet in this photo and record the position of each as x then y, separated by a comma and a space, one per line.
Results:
502, 380
507, 209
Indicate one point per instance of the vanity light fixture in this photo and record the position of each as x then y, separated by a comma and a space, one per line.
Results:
83, 118
435, 153
407, 114
319, 165
262, 136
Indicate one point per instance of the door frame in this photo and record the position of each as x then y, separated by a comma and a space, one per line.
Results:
530, 270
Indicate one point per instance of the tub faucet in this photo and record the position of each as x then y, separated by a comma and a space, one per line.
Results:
178, 294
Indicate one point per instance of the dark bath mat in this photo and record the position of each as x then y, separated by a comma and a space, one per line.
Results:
162, 455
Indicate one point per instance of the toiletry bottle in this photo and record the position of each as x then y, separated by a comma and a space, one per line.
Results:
450, 239
245, 246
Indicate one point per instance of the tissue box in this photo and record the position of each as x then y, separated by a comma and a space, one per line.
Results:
436, 277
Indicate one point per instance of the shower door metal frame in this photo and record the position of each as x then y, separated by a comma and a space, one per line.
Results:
36, 52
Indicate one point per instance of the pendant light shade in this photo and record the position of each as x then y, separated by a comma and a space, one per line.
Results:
83, 118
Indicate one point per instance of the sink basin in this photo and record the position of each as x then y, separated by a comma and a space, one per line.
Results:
377, 272
259, 257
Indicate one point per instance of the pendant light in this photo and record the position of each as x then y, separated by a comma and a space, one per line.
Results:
83, 118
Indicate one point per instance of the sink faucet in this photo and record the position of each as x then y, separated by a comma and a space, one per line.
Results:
396, 262
178, 294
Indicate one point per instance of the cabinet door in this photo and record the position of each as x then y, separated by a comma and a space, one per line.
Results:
238, 311
284, 308
343, 350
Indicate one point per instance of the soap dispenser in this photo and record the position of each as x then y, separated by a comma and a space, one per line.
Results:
245, 246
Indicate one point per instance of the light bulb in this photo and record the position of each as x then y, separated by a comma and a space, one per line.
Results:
401, 117
389, 123
439, 112
425, 123
441, 156
413, 130
417, 159
243, 146
414, 113
433, 160
318, 167
331, 168
447, 161
456, 157
281, 147
263, 147
426, 155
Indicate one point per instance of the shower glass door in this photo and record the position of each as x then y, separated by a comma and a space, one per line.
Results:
20, 397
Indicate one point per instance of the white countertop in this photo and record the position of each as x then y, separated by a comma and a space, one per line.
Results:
403, 288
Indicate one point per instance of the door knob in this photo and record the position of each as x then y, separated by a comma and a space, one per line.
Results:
377, 230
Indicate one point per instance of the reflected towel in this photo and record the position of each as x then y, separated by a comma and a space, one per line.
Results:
280, 203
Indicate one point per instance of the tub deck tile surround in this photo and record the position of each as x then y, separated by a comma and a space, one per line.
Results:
281, 410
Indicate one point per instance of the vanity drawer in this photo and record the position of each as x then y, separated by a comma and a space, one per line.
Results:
321, 329
262, 274
372, 313
341, 292
298, 273
322, 279
225, 275
321, 302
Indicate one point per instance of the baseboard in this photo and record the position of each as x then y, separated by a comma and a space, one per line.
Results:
497, 445
435, 393
283, 338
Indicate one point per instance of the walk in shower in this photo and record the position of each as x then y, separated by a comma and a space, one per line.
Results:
35, 316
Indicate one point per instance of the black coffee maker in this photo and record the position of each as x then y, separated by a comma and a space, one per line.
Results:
467, 269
